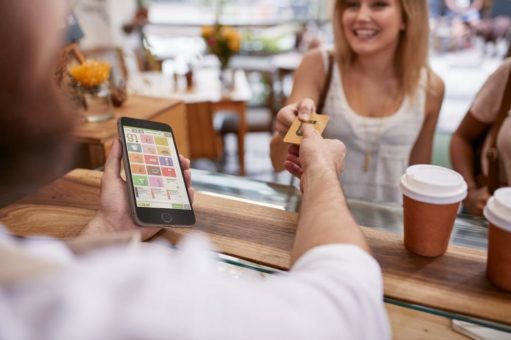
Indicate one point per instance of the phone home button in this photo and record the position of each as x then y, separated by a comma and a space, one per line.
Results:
166, 217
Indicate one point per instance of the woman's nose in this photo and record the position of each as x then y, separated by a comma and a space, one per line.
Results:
363, 13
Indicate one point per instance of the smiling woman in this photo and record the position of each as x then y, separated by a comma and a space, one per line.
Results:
382, 98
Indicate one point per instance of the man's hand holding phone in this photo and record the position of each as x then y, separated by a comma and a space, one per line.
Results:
114, 213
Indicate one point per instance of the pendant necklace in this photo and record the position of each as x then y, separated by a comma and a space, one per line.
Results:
370, 143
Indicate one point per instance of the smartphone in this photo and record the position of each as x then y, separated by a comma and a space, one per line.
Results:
156, 185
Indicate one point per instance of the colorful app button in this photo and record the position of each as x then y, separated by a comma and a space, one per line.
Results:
142, 193
132, 147
140, 180
138, 169
148, 139
136, 157
158, 194
161, 141
168, 172
153, 170
166, 161
156, 182
153, 160
149, 149
132, 138
163, 150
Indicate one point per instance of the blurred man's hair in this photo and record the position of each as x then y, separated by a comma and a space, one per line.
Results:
35, 121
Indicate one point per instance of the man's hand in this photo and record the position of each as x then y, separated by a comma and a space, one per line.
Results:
114, 213
476, 200
315, 154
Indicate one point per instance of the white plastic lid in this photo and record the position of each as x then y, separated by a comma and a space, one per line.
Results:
498, 209
433, 184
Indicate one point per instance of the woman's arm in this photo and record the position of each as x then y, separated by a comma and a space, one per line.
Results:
307, 83
462, 158
423, 148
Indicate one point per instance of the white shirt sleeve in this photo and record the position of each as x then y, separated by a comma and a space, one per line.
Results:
154, 292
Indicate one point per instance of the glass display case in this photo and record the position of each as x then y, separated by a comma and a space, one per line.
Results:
468, 231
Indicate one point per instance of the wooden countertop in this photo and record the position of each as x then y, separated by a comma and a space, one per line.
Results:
139, 107
455, 282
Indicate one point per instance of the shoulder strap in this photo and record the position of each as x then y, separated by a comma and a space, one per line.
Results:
492, 154
326, 85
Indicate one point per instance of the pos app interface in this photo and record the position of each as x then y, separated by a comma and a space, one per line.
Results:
155, 169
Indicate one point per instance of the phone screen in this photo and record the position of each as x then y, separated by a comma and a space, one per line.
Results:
155, 169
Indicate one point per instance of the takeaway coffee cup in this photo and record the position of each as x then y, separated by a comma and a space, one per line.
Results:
431, 199
498, 213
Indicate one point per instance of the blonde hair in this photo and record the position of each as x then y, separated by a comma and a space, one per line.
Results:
412, 49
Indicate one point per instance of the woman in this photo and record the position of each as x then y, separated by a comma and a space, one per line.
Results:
382, 99
482, 117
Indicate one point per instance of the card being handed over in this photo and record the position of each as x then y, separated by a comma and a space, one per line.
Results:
294, 134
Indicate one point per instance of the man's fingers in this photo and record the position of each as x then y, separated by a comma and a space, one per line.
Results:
113, 162
185, 162
293, 168
188, 177
294, 149
309, 131
294, 158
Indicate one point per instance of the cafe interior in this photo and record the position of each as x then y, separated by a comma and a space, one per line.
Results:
156, 60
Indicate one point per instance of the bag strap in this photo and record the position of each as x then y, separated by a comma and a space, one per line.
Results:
492, 154
326, 85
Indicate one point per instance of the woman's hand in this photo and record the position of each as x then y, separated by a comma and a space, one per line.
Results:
476, 200
114, 213
285, 117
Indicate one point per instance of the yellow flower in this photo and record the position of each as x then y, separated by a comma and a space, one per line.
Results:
91, 73
207, 31
222, 41
234, 44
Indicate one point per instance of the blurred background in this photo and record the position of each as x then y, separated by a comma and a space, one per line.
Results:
164, 48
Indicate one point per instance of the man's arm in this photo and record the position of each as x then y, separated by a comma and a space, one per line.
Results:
324, 215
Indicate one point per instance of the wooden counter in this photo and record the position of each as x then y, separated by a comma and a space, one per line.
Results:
94, 140
455, 282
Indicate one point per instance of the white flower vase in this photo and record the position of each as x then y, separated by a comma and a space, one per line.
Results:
98, 103
227, 82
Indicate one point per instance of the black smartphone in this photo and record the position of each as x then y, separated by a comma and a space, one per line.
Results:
154, 176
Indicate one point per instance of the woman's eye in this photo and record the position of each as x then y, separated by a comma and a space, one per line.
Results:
380, 4
352, 4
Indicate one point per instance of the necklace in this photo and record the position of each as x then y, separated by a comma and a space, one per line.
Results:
370, 144
371, 138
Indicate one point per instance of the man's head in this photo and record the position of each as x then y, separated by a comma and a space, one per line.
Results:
34, 120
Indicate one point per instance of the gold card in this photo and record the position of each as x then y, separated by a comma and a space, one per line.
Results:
294, 134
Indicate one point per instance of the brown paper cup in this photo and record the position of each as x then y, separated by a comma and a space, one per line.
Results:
427, 227
498, 266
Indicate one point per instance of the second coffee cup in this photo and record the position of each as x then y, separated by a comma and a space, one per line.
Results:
498, 213
431, 200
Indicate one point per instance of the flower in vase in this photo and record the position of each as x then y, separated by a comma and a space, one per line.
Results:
90, 73
222, 41
90, 89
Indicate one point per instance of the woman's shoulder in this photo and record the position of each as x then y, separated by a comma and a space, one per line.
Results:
315, 56
488, 99
504, 69
435, 82
312, 65
435, 86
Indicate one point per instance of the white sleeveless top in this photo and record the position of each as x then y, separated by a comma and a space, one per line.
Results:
389, 141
